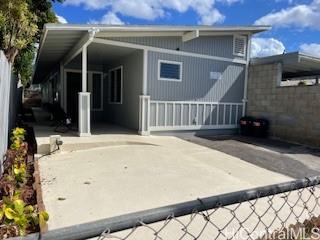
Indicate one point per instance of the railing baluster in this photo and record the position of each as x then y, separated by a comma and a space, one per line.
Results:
210, 117
181, 115
189, 108
197, 114
230, 114
157, 109
237, 110
173, 114
165, 114
218, 112
224, 114
204, 113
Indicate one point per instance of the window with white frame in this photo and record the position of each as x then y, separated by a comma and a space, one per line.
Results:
115, 85
169, 70
239, 45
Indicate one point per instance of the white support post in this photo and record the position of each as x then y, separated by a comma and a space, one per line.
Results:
84, 100
244, 100
144, 106
84, 69
144, 113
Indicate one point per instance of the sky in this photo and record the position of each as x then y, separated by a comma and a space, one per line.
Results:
295, 23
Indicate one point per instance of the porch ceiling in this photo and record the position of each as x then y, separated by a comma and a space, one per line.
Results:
103, 54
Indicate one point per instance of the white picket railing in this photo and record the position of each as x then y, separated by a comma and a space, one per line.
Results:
187, 115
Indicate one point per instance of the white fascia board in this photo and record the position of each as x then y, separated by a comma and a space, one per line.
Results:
142, 28
190, 35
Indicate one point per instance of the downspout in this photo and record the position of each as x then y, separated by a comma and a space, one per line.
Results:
245, 92
92, 32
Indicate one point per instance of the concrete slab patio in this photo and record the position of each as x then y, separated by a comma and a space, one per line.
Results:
111, 174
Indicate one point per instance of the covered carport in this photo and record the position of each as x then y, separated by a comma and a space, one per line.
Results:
296, 67
89, 79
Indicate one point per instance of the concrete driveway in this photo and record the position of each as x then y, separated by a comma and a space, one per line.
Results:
112, 174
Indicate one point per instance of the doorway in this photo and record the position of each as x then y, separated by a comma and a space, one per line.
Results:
95, 87
73, 88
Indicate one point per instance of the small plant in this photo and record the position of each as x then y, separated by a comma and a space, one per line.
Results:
18, 210
20, 172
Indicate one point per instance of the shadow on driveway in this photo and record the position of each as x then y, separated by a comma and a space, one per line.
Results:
286, 158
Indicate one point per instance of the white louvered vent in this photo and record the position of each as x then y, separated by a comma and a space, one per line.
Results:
239, 46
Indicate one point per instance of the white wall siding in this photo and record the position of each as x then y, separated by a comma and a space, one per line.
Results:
5, 83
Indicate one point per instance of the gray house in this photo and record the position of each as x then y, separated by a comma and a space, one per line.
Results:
146, 78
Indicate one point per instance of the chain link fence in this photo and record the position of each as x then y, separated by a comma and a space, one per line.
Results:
283, 211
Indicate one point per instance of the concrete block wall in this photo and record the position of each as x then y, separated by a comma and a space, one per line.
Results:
293, 112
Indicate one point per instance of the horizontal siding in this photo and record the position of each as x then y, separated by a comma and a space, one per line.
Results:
196, 84
221, 46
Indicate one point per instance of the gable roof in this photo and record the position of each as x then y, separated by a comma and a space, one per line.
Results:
58, 39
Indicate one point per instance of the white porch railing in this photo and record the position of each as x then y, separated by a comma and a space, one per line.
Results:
181, 115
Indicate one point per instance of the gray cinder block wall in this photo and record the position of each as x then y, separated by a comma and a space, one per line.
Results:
293, 112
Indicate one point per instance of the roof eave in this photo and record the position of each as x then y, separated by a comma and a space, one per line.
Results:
146, 28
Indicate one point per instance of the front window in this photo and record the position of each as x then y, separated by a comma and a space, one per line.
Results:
170, 71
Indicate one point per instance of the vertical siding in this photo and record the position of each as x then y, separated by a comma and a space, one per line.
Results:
127, 113
196, 84
5, 84
221, 46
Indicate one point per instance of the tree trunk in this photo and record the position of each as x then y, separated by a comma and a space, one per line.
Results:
11, 54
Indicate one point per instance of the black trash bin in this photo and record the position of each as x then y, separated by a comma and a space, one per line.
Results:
260, 128
246, 125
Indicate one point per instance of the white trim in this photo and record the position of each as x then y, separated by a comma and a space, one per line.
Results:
144, 120
168, 51
121, 90
169, 62
190, 35
193, 127
244, 38
145, 72
155, 28
81, 116
84, 73
195, 102
245, 92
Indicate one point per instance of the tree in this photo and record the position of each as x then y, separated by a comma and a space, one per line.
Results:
23, 65
44, 12
21, 24
18, 27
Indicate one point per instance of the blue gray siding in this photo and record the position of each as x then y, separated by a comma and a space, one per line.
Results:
221, 46
127, 113
196, 84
